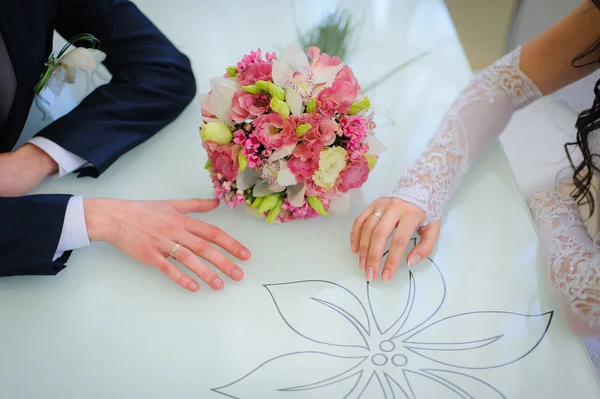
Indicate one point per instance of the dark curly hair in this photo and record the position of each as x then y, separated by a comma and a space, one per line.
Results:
587, 124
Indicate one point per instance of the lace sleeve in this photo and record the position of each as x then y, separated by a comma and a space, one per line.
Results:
572, 259
480, 114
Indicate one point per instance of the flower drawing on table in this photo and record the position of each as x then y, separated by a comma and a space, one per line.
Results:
288, 136
387, 342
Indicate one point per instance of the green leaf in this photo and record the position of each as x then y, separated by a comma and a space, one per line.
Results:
208, 164
232, 71
252, 89
242, 161
316, 204
371, 160
301, 129
257, 202
280, 107
358, 106
333, 35
312, 104
269, 202
273, 213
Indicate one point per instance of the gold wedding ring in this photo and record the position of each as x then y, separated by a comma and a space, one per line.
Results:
174, 250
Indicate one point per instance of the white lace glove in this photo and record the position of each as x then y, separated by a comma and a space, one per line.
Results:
479, 115
572, 259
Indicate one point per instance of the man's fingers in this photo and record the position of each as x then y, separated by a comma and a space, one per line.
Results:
192, 262
207, 251
194, 205
219, 237
429, 235
172, 272
401, 238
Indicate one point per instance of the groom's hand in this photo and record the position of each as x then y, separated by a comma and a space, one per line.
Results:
148, 230
23, 169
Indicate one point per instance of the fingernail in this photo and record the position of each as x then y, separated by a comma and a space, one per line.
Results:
370, 274
362, 264
237, 274
193, 286
218, 283
414, 260
385, 276
244, 254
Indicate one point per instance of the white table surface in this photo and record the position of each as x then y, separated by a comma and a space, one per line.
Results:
108, 327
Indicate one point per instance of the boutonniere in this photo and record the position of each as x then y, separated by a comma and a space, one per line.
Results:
61, 69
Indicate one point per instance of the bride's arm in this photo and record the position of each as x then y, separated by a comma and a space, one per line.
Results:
479, 115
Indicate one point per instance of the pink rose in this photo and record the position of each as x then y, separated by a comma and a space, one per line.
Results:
304, 162
319, 60
337, 98
273, 132
224, 158
245, 105
325, 131
346, 75
260, 71
353, 175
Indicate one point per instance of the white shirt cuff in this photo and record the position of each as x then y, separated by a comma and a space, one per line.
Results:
67, 161
74, 232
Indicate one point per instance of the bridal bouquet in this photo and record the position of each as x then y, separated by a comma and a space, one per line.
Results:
289, 136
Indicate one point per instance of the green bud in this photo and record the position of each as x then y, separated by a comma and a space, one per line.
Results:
232, 71
280, 107
371, 160
312, 104
269, 202
271, 88
301, 129
316, 204
257, 202
208, 164
252, 89
358, 106
242, 161
273, 213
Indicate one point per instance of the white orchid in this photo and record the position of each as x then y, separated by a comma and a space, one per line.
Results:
218, 101
294, 72
80, 58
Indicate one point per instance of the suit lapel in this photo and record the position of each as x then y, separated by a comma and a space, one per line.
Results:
27, 28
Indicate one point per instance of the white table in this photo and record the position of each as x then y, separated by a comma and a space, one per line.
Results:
107, 327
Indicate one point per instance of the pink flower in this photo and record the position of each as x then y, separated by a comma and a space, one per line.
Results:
260, 71
253, 58
353, 175
304, 161
319, 60
347, 75
324, 132
245, 105
338, 98
304, 212
224, 158
273, 132
354, 129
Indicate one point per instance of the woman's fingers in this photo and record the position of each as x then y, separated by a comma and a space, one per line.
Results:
383, 230
219, 237
172, 272
191, 261
429, 235
207, 251
365, 243
357, 228
402, 237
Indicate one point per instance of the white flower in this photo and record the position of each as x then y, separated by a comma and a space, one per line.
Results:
80, 58
332, 161
219, 100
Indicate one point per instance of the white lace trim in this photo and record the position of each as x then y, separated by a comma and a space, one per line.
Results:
572, 258
430, 181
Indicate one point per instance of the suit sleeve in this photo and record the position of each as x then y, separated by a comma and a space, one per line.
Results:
30, 228
152, 83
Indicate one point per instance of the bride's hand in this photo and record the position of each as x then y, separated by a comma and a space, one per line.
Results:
376, 224
148, 230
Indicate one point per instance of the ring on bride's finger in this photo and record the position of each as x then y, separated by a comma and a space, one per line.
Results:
173, 251
378, 214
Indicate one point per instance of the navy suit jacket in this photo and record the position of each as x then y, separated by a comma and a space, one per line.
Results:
152, 84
